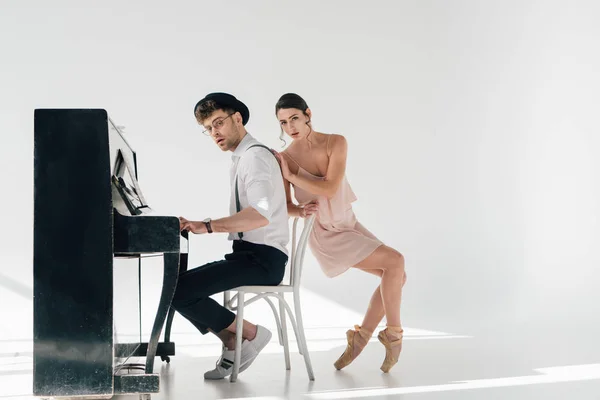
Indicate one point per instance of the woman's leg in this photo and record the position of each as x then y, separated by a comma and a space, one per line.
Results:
375, 311
389, 264
373, 316
361, 335
393, 277
359, 338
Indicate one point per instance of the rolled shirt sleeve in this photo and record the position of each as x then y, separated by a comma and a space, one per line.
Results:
258, 182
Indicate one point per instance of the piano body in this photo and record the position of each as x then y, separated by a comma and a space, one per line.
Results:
88, 210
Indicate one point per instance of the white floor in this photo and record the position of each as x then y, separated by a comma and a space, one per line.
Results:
504, 362
509, 365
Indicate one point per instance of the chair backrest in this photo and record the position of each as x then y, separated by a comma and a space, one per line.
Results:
299, 248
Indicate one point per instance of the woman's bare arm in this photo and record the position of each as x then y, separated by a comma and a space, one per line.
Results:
335, 171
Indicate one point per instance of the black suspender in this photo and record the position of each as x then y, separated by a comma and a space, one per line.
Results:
237, 195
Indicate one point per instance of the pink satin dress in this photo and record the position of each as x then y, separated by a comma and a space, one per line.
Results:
338, 241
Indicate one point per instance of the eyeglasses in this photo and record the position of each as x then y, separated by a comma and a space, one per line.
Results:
216, 124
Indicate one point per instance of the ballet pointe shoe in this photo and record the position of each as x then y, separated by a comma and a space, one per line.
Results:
348, 356
392, 347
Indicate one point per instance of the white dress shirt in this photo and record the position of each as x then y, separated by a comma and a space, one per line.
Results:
260, 186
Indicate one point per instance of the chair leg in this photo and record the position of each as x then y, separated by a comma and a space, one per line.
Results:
226, 298
239, 328
276, 316
286, 345
302, 337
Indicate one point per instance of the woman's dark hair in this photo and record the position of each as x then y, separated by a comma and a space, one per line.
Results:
291, 100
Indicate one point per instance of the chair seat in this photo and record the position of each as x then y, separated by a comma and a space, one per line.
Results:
261, 289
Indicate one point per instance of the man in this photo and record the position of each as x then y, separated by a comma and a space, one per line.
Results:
258, 226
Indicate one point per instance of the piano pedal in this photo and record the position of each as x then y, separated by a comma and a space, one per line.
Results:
129, 368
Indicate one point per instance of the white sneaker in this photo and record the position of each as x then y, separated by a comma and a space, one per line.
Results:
250, 350
224, 366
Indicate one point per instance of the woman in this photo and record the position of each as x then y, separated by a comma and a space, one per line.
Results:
314, 164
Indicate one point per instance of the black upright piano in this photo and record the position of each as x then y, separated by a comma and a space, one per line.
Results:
88, 210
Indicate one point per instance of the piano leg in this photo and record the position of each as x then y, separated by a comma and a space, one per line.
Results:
168, 325
170, 275
183, 258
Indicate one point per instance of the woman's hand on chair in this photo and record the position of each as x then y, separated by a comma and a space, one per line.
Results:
309, 209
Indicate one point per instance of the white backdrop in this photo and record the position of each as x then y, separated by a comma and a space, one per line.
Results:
472, 130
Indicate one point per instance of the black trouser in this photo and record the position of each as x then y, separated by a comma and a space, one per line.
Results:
249, 264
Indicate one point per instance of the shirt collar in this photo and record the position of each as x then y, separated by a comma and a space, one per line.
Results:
243, 146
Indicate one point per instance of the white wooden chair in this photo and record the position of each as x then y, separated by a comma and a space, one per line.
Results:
264, 292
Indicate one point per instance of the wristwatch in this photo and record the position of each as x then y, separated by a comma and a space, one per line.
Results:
207, 223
